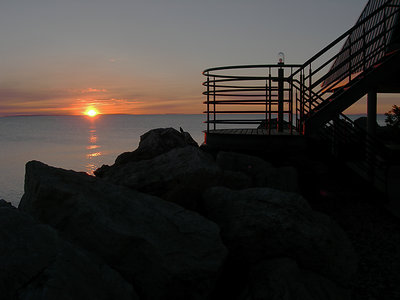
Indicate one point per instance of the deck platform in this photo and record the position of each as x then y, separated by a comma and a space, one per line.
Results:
252, 131
249, 139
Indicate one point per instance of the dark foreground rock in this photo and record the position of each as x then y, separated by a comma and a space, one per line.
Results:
168, 164
261, 223
282, 278
254, 240
151, 144
261, 172
163, 250
35, 263
186, 168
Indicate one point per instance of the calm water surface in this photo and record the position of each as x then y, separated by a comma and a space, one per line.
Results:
78, 143
75, 142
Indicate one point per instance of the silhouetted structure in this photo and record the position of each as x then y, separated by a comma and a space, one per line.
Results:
311, 97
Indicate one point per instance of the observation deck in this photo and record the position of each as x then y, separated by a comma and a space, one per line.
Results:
282, 107
252, 107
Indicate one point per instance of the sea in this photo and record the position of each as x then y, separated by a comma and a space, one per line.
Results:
79, 143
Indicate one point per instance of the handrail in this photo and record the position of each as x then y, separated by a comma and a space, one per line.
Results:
262, 90
262, 66
346, 136
366, 43
354, 54
341, 37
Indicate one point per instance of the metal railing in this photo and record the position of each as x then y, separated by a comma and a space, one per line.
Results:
350, 143
365, 44
250, 94
258, 90
311, 85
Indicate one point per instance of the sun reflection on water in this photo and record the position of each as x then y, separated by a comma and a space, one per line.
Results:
95, 154
91, 147
93, 136
93, 150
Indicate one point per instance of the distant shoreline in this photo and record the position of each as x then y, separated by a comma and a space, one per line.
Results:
380, 117
166, 114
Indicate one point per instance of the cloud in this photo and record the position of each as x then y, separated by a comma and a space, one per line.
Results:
27, 100
31, 96
19, 99
117, 100
93, 90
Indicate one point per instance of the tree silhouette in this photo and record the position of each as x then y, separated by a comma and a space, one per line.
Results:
393, 117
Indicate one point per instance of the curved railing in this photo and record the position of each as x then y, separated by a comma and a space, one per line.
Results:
257, 94
250, 95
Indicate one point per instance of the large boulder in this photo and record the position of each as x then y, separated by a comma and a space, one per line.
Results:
35, 263
165, 251
262, 173
262, 223
180, 175
281, 278
156, 142
151, 144
4, 203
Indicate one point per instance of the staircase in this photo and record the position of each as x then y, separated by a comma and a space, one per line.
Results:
369, 57
343, 97
363, 60
332, 80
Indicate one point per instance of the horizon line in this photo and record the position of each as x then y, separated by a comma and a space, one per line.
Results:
98, 115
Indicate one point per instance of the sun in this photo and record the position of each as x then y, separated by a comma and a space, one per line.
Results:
91, 112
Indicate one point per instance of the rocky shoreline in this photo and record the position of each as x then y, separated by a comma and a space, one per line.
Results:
171, 221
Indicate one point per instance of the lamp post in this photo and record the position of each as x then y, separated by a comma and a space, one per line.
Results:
281, 62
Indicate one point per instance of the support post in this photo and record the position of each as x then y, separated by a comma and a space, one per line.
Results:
280, 99
371, 129
335, 137
266, 105
371, 112
208, 104
302, 101
269, 124
214, 106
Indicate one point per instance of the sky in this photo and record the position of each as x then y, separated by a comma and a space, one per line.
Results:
146, 56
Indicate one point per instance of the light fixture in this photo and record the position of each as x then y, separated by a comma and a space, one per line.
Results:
281, 58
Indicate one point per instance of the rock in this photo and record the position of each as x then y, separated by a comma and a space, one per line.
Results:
282, 178
262, 223
235, 180
180, 175
362, 122
35, 263
100, 172
152, 143
281, 278
389, 134
262, 173
252, 166
163, 250
156, 142
4, 203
